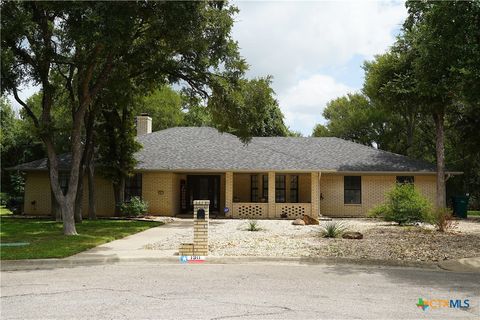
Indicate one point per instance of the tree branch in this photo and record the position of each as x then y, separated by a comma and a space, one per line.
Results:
26, 107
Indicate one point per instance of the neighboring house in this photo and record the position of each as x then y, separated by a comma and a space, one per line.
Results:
266, 178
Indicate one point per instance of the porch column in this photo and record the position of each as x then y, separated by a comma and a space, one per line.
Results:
315, 194
229, 193
271, 194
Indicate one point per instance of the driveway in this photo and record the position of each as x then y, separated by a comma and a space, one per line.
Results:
260, 291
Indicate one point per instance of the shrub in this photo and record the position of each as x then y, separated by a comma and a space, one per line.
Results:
4, 197
332, 229
134, 208
443, 220
404, 205
253, 226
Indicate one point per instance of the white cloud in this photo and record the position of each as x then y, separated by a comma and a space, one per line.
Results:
304, 102
297, 40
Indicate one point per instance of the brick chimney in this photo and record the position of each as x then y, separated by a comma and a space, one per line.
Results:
144, 124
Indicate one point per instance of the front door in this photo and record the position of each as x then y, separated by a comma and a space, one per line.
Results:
204, 187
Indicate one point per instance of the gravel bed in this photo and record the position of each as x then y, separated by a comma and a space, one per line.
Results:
383, 241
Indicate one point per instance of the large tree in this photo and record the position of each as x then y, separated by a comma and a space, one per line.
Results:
85, 42
443, 37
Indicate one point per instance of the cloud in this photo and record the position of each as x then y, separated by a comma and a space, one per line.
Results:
304, 102
295, 41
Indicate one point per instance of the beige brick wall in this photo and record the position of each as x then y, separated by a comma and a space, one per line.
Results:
158, 191
374, 188
37, 188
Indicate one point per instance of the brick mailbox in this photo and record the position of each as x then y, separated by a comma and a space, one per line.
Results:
199, 247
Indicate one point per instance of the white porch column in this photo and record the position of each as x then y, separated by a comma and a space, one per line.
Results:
229, 193
315, 194
271, 194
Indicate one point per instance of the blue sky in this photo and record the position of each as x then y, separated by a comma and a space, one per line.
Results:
313, 49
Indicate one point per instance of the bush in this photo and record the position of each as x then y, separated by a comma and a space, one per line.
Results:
253, 226
404, 205
332, 229
134, 208
443, 220
4, 197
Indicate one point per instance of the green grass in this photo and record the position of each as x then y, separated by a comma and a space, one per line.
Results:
473, 213
4, 211
47, 240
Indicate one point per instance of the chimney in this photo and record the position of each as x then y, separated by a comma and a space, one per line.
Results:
144, 124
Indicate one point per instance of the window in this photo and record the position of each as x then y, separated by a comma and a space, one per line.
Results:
254, 188
405, 179
352, 189
280, 194
63, 180
133, 186
265, 188
293, 189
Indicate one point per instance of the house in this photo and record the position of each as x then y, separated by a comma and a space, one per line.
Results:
267, 178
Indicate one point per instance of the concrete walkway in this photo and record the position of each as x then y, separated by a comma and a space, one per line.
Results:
132, 247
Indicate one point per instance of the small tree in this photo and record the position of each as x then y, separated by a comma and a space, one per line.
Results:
404, 205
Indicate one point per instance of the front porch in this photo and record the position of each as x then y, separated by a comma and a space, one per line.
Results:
272, 195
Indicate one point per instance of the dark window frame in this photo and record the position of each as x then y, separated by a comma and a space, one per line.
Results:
254, 188
405, 179
352, 185
280, 188
294, 189
133, 187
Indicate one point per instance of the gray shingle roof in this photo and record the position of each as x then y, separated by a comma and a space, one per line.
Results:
193, 148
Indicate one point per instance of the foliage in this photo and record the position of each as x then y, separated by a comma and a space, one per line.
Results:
252, 225
251, 109
404, 205
332, 229
354, 118
83, 48
164, 106
443, 220
46, 239
135, 207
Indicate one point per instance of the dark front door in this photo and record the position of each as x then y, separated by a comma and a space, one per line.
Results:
204, 187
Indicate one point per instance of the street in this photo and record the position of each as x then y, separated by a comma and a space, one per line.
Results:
231, 291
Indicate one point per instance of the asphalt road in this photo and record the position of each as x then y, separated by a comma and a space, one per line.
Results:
253, 291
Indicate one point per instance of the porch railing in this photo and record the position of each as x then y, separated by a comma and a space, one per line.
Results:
250, 210
292, 210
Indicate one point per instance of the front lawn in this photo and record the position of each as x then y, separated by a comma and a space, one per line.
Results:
473, 213
47, 241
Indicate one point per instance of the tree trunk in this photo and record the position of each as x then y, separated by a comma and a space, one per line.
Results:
56, 212
92, 209
79, 199
119, 191
68, 218
438, 117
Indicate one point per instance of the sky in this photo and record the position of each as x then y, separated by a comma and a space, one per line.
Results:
313, 49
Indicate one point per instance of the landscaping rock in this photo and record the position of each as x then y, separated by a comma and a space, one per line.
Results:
298, 222
309, 220
352, 235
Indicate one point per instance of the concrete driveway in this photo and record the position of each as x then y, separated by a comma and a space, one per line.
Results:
254, 291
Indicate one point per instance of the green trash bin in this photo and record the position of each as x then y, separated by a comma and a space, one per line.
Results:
460, 206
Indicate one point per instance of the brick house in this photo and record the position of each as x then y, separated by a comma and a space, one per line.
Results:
268, 178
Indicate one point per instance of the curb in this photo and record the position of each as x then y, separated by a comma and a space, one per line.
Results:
461, 265
45, 264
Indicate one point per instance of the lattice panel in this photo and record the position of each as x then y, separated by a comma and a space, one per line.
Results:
250, 211
292, 211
